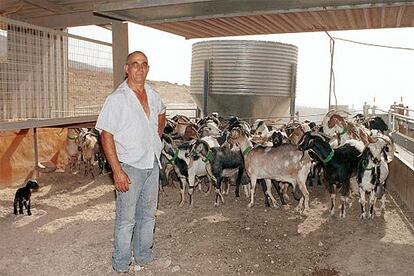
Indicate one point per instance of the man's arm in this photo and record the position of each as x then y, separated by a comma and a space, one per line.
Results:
161, 123
121, 180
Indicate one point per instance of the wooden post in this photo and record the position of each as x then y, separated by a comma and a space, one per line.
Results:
119, 51
36, 153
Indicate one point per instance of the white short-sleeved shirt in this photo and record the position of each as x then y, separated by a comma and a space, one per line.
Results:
136, 135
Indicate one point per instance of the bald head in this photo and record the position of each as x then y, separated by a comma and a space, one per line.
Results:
128, 59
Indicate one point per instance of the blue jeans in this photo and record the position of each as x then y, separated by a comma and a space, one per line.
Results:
135, 218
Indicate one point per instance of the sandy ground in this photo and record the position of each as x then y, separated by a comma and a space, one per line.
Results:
71, 233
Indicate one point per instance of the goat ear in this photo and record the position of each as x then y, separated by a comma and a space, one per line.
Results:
312, 142
371, 139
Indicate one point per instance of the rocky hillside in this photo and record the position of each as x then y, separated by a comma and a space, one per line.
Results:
173, 94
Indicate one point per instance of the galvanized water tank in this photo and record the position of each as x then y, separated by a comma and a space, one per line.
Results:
249, 79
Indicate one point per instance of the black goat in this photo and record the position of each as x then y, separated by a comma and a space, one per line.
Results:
376, 123
221, 162
23, 195
339, 164
178, 156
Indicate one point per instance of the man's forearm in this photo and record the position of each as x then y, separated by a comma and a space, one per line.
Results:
161, 123
108, 144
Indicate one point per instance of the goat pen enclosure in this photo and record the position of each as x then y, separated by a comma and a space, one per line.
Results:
47, 74
71, 233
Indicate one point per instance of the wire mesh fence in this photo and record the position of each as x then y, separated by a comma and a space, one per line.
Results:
47, 74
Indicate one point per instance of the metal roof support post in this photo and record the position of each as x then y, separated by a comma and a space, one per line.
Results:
331, 75
293, 92
36, 153
390, 121
119, 51
206, 86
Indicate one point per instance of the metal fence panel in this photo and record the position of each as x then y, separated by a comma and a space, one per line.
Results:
47, 74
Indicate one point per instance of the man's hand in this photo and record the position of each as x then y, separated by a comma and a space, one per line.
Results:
121, 181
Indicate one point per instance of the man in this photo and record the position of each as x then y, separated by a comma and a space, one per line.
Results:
131, 122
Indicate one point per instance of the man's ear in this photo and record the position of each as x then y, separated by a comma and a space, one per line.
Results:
126, 69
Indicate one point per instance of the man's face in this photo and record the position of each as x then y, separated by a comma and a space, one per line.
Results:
137, 68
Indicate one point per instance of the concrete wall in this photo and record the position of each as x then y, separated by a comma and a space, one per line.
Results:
401, 180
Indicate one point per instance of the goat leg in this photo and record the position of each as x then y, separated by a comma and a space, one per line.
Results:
362, 202
332, 189
264, 189
269, 192
279, 192
252, 191
305, 195
372, 200
190, 192
238, 181
246, 188
15, 205
20, 206
218, 192
29, 213
383, 202
182, 191
191, 185
343, 207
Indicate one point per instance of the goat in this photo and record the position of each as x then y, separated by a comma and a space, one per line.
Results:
23, 195
179, 157
184, 128
372, 175
335, 125
72, 148
284, 163
220, 162
376, 123
209, 128
338, 164
88, 142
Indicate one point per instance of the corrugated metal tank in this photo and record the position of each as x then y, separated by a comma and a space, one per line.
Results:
250, 79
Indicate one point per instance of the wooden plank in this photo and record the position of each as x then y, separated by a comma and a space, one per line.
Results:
399, 16
404, 141
58, 122
69, 20
48, 5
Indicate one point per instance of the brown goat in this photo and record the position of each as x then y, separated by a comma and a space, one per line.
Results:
284, 163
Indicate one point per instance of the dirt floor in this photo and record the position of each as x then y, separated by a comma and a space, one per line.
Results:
71, 233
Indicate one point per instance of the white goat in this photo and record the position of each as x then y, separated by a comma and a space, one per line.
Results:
373, 173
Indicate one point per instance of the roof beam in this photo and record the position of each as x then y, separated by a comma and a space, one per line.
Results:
69, 20
149, 12
399, 16
47, 5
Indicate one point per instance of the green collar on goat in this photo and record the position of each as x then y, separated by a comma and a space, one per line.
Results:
208, 157
247, 150
343, 131
174, 157
329, 157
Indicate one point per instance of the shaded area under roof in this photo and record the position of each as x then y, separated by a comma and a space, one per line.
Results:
215, 18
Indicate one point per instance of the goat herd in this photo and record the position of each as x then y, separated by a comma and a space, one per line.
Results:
347, 155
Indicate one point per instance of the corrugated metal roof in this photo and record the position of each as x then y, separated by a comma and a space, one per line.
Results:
214, 18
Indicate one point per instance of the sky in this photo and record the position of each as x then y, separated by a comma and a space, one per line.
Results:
375, 75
